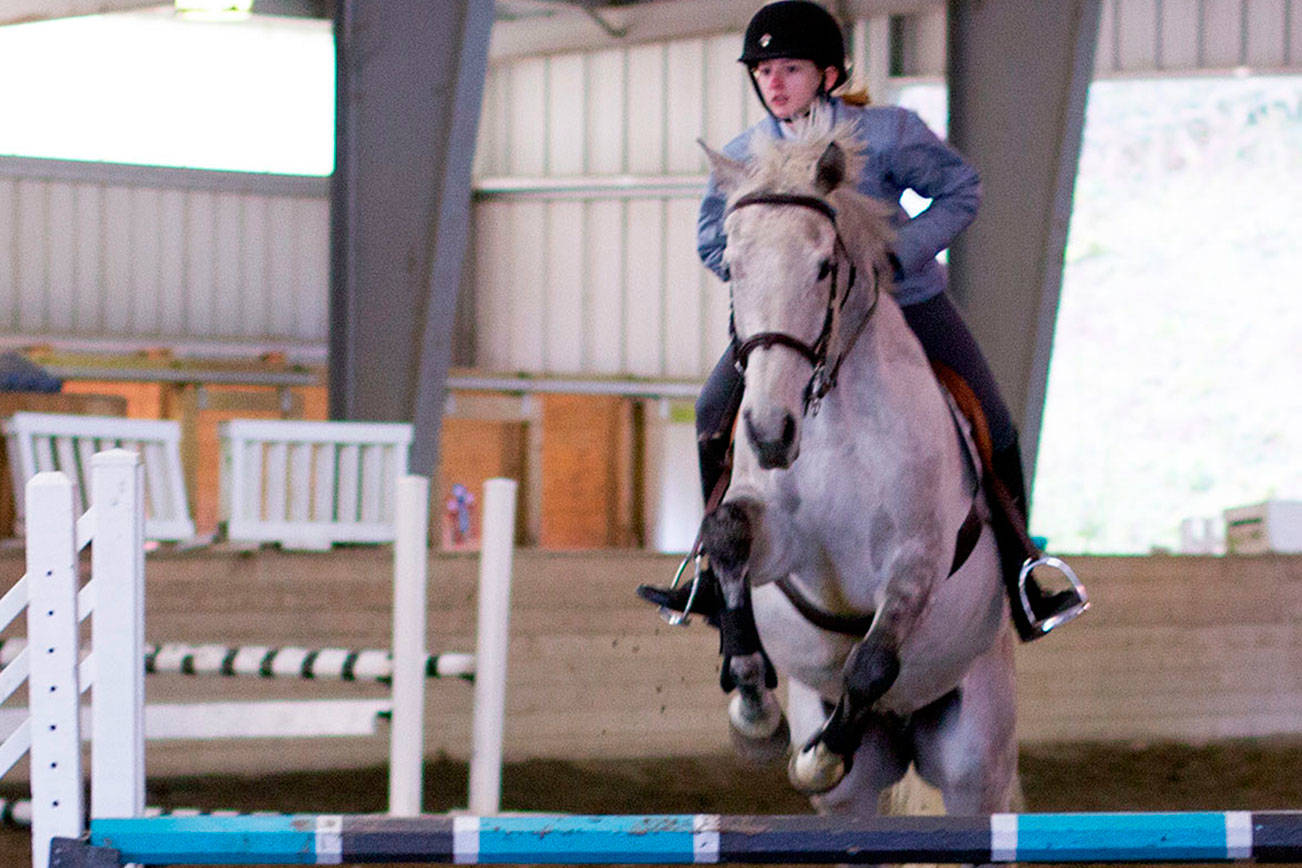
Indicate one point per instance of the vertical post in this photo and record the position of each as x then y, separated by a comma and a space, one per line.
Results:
118, 570
492, 633
52, 685
410, 564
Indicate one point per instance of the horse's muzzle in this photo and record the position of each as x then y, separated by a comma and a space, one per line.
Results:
775, 443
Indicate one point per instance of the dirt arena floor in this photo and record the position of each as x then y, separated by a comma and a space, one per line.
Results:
1239, 775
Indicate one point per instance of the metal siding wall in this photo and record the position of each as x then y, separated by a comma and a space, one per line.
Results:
1179, 45
596, 282
1266, 39
1137, 34
566, 116
1293, 33
1144, 36
156, 263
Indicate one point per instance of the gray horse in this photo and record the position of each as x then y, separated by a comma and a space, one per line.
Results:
867, 527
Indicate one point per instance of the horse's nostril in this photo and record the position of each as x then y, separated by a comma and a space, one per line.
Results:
789, 430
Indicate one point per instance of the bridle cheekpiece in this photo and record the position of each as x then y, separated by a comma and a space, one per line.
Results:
823, 379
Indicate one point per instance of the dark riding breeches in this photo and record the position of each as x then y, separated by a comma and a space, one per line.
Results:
945, 338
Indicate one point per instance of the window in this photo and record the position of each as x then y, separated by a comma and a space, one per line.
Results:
150, 88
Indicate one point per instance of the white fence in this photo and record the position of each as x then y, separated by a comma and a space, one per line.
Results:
42, 442
115, 593
311, 484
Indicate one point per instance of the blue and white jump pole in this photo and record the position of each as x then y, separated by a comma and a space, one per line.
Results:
700, 838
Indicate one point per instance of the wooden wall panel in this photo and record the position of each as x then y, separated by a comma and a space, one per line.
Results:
580, 484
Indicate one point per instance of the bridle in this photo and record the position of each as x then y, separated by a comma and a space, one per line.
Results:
822, 380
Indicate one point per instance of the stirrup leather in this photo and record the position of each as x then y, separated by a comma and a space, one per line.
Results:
683, 618
1057, 619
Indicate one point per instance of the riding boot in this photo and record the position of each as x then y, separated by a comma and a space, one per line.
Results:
714, 463
1007, 466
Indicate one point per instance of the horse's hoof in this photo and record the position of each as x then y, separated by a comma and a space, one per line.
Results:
815, 770
762, 740
755, 720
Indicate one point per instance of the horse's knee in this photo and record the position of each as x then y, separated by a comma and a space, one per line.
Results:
871, 669
726, 536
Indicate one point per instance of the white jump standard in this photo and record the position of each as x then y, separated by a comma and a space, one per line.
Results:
50, 662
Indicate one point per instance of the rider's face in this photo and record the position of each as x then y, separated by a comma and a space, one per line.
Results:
788, 85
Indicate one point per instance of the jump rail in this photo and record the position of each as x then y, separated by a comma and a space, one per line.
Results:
688, 838
267, 661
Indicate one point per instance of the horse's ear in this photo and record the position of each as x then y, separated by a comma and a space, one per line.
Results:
830, 171
728, 173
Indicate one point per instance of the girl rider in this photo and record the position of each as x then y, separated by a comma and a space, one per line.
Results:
795, 55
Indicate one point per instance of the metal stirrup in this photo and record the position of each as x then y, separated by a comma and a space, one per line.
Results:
683, 618
1060, 618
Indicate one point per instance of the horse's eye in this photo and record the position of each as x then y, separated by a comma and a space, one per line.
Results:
824, 269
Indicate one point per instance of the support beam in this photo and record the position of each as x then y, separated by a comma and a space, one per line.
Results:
1019, 72
410, 79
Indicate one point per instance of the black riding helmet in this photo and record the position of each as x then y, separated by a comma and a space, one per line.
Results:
798, 29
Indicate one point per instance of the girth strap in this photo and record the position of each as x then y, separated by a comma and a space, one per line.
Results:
857, 625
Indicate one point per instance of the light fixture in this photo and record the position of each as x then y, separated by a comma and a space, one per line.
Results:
214, 10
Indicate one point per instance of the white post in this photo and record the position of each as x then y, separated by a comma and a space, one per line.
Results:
410, 564
491, 646
52, 685
118, 631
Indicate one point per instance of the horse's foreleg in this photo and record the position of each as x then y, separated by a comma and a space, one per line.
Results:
869, 672
758, 727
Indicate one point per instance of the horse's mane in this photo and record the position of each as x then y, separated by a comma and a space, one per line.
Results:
790, 165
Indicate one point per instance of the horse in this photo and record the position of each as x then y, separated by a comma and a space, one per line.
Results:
853, 546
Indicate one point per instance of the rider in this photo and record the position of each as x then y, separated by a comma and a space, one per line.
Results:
795, 55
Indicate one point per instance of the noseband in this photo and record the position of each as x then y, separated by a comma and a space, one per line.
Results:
822, 380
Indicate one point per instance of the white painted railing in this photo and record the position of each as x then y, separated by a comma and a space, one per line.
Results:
311, 484
41, 442
54, 607
49, 592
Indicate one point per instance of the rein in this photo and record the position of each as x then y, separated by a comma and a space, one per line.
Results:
822, 380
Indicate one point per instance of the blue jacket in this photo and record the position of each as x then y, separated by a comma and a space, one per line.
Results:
901, 153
